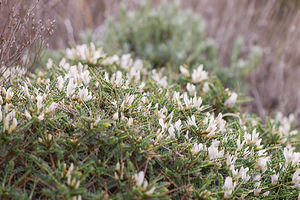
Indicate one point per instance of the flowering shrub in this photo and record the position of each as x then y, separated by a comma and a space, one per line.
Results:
95, 126
170, 35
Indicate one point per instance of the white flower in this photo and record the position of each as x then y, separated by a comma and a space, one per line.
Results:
70, 170
142, 85
206, 87
162, 124
9, 94
191, 89
157, 77
126, 61
213, 151
14, 125
149, 192
239, 144
285, 128
139, 178
84, 94
134, 74
129, 99
7, 107
8, 118
193, 102
130, 121
187, 136
159, 136
228, 187
257, 190
39, 102
11, 115
25, 89
6, 123
257, 178
73, 72
234, 171
64, 64
230, 102
110, 60
291, 156
85, 77
106, 76
78, 197
176, 97
71, 87
60, 82
27, 114
199, 75
143, 183
171, 131
85, 52
288, 154
197, 148
160, 113
184, 71
262, 163
296, 178
178, 125
163, 82
230, 160
49, 63
116, 116
197, 103
41, 117
243, 173
188, 102
138, 64
266, 193
252, 138
212, 126
52, 107
3, 91
191, 121
118, 167
274, 178
119, 80
220, 122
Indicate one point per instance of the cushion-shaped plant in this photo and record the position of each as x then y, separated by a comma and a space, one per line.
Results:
107, 127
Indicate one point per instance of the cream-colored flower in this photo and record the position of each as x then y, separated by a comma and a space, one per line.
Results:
230, 102
199, 75
228, 187
184, 71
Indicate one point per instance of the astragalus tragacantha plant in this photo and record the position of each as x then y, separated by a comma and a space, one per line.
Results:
97, 126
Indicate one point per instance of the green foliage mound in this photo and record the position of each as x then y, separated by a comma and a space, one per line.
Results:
166, 34
107, 127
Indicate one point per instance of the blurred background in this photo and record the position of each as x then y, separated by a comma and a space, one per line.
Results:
264, 34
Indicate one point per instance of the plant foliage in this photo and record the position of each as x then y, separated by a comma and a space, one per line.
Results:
166, 34
97, 126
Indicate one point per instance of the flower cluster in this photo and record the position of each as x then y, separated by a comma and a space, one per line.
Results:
126, 131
